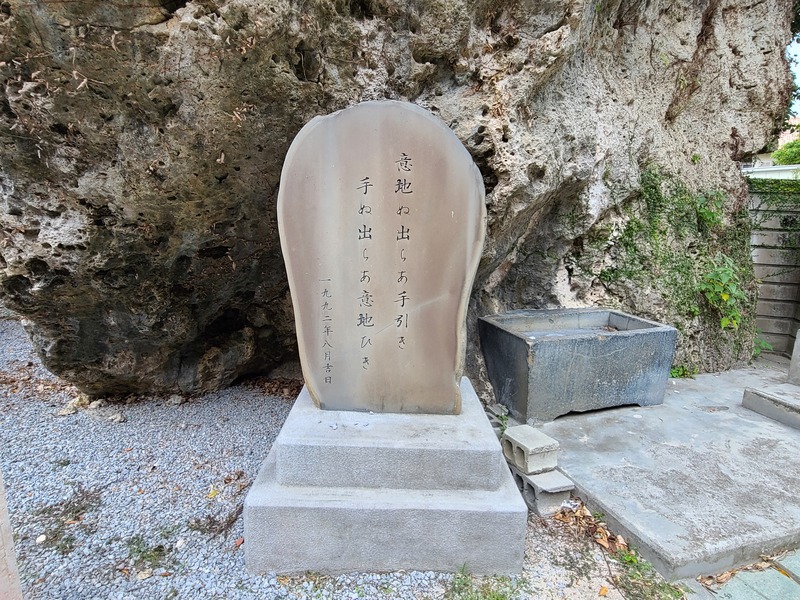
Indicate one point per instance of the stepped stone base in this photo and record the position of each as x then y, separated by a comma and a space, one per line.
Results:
417, 508
778, 402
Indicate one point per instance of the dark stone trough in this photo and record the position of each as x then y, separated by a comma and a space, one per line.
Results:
547, 363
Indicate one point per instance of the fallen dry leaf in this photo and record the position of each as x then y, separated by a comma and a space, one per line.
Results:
584, 523
237, 474
212, 493
238, 543
603, 591
723, 577
782, 572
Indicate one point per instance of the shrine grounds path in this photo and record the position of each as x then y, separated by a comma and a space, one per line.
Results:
141, 498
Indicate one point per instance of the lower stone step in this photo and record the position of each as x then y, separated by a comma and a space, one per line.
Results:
779, 402
291, 529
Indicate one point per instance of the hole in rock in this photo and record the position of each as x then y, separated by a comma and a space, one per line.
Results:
228, 322
361, 9
37, 267
215, 252
173, 5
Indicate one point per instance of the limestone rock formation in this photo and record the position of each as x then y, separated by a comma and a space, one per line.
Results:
141, 145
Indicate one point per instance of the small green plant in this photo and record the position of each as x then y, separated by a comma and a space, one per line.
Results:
465, 587
696, 158
709, 209
760, 345
64, 520
143, 555
638, 580
682, 372
503, 422
722, 288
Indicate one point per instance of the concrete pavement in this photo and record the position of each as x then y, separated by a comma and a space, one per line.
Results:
698, 484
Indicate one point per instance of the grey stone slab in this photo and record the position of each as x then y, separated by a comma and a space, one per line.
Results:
699, 483
551, 482
382, 218
760, 585
356, 449
547, 363
778, 402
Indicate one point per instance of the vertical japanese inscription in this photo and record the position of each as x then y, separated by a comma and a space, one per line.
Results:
365, 319
326, 322
403, 191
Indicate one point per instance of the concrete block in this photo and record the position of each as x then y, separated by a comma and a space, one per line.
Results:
773, 274
775, 309
497, 410
781, 343
775, 325
547, 363
544, 493
552, 482
773, 239
778, 402
383, 519
777, 291
774, 257
529, 450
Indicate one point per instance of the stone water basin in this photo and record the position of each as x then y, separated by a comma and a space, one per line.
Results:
547, 363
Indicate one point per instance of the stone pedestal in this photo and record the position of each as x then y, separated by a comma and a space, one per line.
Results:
355, 491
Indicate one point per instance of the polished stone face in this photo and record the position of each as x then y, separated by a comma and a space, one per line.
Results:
382, 218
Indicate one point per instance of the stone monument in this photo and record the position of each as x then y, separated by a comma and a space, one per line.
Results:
386, 460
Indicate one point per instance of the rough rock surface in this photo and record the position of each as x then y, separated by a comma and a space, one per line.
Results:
141, 144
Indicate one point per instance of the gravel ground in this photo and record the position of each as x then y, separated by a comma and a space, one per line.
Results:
141, 498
